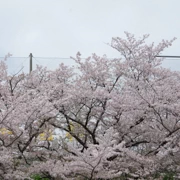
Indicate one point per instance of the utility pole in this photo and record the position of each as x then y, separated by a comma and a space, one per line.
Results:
30, 63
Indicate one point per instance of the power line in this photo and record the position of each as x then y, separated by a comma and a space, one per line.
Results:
19, 67
168, 56
36, 60
53, 57
13, 57
163, 56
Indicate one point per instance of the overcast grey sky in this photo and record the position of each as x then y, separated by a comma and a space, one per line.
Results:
60, 28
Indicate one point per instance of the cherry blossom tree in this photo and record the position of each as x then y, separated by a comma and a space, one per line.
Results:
102, 119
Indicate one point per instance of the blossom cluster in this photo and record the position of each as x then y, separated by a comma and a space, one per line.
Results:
101, 119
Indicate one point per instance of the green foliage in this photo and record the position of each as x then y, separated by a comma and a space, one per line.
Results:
169, 176
38, 177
